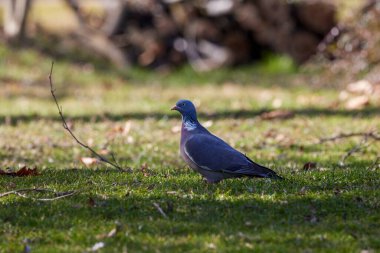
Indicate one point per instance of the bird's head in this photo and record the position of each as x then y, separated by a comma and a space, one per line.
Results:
186, 108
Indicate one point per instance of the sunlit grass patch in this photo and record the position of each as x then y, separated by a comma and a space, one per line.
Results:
326, 208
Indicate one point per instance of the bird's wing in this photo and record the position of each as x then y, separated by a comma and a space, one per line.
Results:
212, 153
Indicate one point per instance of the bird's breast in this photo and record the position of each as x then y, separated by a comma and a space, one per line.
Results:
185, 157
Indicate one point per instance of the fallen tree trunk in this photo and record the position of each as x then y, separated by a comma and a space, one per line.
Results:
15, 16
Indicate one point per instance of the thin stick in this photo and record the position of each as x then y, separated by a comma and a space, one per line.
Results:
24, 190
47, 199
159, 209
374, 165
18, 193
371, 135
355, 149
65, 126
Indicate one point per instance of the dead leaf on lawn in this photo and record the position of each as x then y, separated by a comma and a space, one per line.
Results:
360, 87
112, 233
176, 129
144, 170
91, 202
309, 166
97, 246
208, 123
130, 139
104, 151
277, 114
23, 172
127, 128
89, 161
122, 130
356, 103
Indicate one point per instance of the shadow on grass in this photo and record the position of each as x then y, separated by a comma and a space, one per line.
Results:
55, 47
235, 114
275, 212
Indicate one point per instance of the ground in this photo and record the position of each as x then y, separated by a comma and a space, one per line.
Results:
328, 208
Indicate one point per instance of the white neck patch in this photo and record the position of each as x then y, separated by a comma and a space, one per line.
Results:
189, 126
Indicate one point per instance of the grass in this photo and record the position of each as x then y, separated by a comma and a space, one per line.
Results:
330, 208
326, 209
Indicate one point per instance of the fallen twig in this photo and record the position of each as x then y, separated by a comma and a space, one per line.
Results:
355, 149
375, 163
157, 206
65, 126
59, 195
371, 135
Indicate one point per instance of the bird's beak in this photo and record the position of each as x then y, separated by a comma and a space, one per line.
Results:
174, 108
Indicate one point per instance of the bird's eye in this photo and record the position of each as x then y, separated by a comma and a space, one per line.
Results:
183, 104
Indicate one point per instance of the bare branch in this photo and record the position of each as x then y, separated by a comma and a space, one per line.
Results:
355, 149
371, 135
65, 126
375, 163
59, 195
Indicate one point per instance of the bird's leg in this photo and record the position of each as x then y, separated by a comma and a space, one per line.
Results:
210, 181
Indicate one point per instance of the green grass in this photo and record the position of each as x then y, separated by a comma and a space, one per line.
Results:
327, 209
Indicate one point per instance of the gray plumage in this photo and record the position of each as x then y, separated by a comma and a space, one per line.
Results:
209, 155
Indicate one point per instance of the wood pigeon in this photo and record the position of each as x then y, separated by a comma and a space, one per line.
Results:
209, 155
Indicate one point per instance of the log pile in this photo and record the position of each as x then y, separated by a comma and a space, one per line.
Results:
213, 33
350, 51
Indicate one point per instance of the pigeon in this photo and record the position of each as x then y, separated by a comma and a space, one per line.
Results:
209, 155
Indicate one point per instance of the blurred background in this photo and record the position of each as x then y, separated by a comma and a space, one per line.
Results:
205, 34
294, 84
314, 43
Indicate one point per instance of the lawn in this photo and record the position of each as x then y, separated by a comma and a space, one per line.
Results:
327, 208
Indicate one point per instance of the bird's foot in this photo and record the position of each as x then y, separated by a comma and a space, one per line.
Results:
210, 181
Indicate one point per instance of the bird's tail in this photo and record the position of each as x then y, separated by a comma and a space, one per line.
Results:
265, 172
275, 176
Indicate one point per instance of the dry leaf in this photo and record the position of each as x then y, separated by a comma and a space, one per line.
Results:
211, 245
343, 95
176, 129
123, 130
360, 87
23, 172
144, 170
70, 124
277, 114
97, 246
277, 103
91, 202
309, 166
208, 123
117, 129
90, 142
88, 161
130, 139
104, 152
112, 233
357, 103
127, 128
